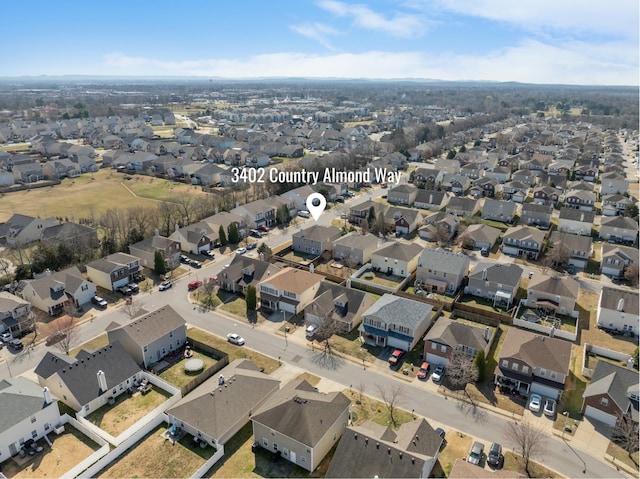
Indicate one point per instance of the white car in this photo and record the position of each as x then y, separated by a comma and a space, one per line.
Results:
242, 250
535, 402
549, 408
6, 337
438, 373
234, 338
165, 285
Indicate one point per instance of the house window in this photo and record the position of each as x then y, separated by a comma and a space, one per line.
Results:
604, 401
302, 459
505, 363
514, 366
285, 452
525, 369
265, 442
553, 375
275, 446
543, 372
308, 450
86, 407
33, 419
145, 349
434, 346
443, 348
273, 432
34, 434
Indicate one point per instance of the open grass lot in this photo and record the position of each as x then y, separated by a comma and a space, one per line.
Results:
364, 408
154, 456
77, 197
236, 306
479, 303
69, 448
176, 374
234, 352
350, 345
126, 411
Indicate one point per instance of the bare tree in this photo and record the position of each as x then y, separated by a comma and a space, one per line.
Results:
133, 307
361, 388
442, 236
208, 288
631, 273
558, 254
66, 329
392, 397
625, 434
529, 440
462, 370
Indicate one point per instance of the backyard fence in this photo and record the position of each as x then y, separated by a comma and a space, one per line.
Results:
493, 318
96, 456
202, 470
223, 360
548, 330
590, 349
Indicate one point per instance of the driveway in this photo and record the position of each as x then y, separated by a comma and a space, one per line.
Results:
592, 436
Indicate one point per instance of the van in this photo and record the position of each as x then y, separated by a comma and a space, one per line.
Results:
304, 214
310, 332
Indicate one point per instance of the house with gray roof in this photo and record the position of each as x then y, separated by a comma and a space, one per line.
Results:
615, 204
534, 214
51, 292
580, 199
431, 199
497, 210
397, 258
552, 293
575, 221
523, 241
113, 271
438, 226
146, 250
27, 411
15, 314
395, 322
498, 282
619, 228
615, 258
448, 335
441, 270
229, 399
480, 236
150, 337
195, 238
618, 310
300, 424
315, 239
337, 306
243, 271
402, 194
612, 393
579, 248
373, 450
20, 230
613, 182
355, 248
532, 363
463, 206
86, 382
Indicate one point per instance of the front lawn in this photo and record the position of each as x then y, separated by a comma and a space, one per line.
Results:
457, 446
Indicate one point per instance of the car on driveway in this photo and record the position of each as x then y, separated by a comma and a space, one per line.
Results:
263, 228
252, 246
134, 287
396, 357
495, 458
6, 337
236, 339
475, 454
165, 285
16, 345
125, 290
549, 408
535, 402
438, 374
99, 301
241, 250
423, 371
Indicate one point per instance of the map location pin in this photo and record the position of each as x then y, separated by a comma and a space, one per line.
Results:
316, 204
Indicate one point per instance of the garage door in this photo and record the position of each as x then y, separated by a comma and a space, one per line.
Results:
436, 360
599, 415
545, 391
289, 308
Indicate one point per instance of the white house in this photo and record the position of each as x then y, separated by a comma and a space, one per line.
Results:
618, 310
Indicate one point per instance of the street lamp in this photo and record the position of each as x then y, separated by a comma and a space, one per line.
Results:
284, 319
564, 426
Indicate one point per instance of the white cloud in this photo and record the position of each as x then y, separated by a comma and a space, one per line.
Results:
531, 61
402, 25
318, 32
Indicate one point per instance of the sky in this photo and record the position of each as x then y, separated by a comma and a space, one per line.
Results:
576, 42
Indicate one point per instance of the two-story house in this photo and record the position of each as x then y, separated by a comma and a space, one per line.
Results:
364, 211
395, 322
580, 200
402, 194
195, 238
20, 230
337, 306
315, 240
615, 204
523, 241
288, 290
15, 314
575, 221
618, 310
531, 363
441, 270
498, 282
612, 394
257, 213
438, 226
114, 271
243, 271
552, 293
618, 228
466, 207
538, 215
146, 250
355, 248
495, 210
615, 258
431, 199
580, 248
480, 236
397, 258
487, 186
613, 182
448, 335
546, 195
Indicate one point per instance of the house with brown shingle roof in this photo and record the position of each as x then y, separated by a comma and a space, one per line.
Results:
552, 292
289, 290
398, 258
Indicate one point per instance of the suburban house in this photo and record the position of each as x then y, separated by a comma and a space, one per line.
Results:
20, 230
580, 200
15, 314
395, 322
456, 184
243, 271
150, 337
354, 248
611, 394
552, 293
487, 186
618, 310
430, 177
27, 411
299, 196
114, 271
531, 363
340, 305
195, 238
84, 383
497, 282
397, 258
74, 235
229, 399
257, 213
579, 247
53, 291
575, 221
360, 212
615, 204
546, 195
146, 250
402, 220
288, 290
371, 450
480, 236
515, 190
300, 424
536, 215
613, 182
448, 335
402, 194
463, 206
439, 226
431, 199
441, 270
523, 241
315, 240
615, 258
495, 210
618, 228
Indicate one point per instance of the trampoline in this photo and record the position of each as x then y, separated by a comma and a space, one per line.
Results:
193, 365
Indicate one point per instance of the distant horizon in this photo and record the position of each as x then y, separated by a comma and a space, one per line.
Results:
550, 42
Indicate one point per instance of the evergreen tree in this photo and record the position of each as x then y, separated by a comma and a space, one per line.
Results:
234, 234
251, 298
479, 363
222, 236
159, 264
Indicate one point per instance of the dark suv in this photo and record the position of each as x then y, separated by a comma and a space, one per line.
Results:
495, 458
16, 345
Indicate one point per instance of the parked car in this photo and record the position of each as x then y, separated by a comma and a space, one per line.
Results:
339, 199
126, 290
194, 284
195, 263
236, 339
256, 233
495, 458
349, 194
396, 357
241, 250
440, 432
263, 228
484, 252
549, 408
310, 331
252, 246
475, 454
6, 337
16, 344
55, 338
165, 285
423, 371
134, 287
210, 253
184, 259
535, 402
438, 374
99, 301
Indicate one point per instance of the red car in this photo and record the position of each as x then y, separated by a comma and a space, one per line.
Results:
395, 357
263, 228
423, 371
194, 285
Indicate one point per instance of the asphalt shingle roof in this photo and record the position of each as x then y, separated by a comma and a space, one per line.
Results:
395, 310
19, 400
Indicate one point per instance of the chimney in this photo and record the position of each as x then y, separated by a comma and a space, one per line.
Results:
431, 198
552, 332
630, 363
487, 334
176, 227
582, 218
46, 392
215, 211
621, 304
102, 381
156, 232
484, 274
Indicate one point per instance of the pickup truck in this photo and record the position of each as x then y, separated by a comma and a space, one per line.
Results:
396, 357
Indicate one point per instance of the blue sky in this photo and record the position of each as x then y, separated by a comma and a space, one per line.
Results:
589, 42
